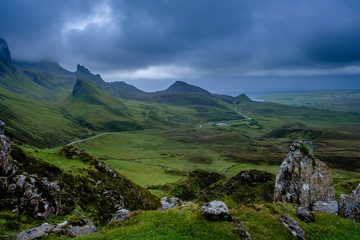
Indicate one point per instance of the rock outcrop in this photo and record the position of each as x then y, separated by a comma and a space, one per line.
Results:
326, 207
293, 226
302, 179
5, 56
120, 216
215, 210
5, 165
74, 229
349, 205
25, 193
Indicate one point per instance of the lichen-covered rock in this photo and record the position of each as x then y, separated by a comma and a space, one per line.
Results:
215, 210
81, 229
349, 205
41, 231
326, 207
37, 198
293, 226
302, 179
77, 228
25, 193
120, 216
304, 214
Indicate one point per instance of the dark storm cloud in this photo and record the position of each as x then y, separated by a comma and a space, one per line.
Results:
196, 39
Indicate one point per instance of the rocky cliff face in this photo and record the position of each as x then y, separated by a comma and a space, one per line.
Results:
38, 189
22, 192
302, 179
349, 205
5, 56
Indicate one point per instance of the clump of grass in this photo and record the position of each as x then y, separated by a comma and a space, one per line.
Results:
200, 157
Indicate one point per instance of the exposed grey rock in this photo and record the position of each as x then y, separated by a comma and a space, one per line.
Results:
171, 202
83, 227
304, 214
2, 125
349, 205
41, 231
40, 198
26, 193
293, 226
120, 216
88, 228
303, 179
215, 210
242, 232
326, 207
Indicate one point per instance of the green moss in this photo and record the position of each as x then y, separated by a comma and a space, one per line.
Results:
246, 187
191, 187
304, 148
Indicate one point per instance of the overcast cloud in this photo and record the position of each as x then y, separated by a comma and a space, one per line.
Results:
233, 45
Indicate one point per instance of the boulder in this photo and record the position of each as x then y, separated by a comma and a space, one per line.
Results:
77, 228
293, 226
81, 229
302, 179
304, 214
326, 207
120, 216
41, 231
215, 210
349, 205
170, 202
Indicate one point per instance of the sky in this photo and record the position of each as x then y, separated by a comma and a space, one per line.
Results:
229, 47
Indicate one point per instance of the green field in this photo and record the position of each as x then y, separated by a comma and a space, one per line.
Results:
336, 100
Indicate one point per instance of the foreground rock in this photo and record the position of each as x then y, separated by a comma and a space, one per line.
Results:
120, 216
326, 207
84, 227
302, 179
304, 214
349, 205
293, 226
78, 228
41, 231
215, 210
